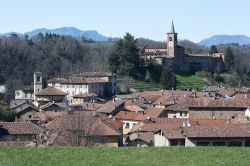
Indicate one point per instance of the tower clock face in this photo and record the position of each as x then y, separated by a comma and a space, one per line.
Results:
170, 39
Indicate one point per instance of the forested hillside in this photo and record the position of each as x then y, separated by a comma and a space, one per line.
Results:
51, 54
56, 55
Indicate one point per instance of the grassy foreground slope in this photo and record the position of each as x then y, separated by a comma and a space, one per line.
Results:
124, 156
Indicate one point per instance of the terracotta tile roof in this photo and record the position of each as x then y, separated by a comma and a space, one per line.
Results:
110, 106
158, 123
49, 115
244, 90
144, 136
50, 91
208, 122
94, 74
231, 102
90, 106
134, 108
82, 95
62, 105
20, 128
219, 131
114, 123
173, 133
156, 47
126, 115
78, 80
25, 107
18, 102
151, 112
227, 93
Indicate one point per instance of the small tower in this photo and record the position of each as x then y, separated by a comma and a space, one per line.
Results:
38, 82
172, 41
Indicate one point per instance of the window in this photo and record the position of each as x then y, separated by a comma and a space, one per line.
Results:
127, 125
234, 143
202, 143
173, 142
219, 143
181, 114
38, 78
247, 143
30, 116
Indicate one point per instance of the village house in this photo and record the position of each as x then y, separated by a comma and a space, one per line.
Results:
84, 129
99, 83
24, 110
18, 133
218, 135
49, 94
111, 107
26, 92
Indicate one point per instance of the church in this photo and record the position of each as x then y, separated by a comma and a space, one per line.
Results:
176, 59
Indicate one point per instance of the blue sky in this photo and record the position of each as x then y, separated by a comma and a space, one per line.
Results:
193, 19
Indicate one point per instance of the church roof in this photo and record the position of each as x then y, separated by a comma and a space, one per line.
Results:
172, 28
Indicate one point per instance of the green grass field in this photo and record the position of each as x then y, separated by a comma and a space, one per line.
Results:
190, 82
125, 156
183, 82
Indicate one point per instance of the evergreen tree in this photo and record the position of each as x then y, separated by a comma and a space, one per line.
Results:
115, 57
229, 59
124, 58
168, 80
213, 50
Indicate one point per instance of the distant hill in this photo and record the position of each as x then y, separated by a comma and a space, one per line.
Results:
225, 39
68, 31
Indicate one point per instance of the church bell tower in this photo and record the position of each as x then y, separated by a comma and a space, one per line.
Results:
172, 41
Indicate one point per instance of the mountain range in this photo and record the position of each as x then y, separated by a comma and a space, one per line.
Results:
225, 39
68, 31
95, 36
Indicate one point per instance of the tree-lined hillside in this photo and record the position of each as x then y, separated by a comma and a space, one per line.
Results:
51, 54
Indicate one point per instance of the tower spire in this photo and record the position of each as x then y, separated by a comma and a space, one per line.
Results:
172, 27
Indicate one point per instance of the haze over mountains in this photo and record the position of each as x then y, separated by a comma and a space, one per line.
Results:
68, 31
225, 39
95, 36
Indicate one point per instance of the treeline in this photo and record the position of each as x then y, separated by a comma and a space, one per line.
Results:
51, 54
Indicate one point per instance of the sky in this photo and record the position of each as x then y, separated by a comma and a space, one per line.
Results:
193, 19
